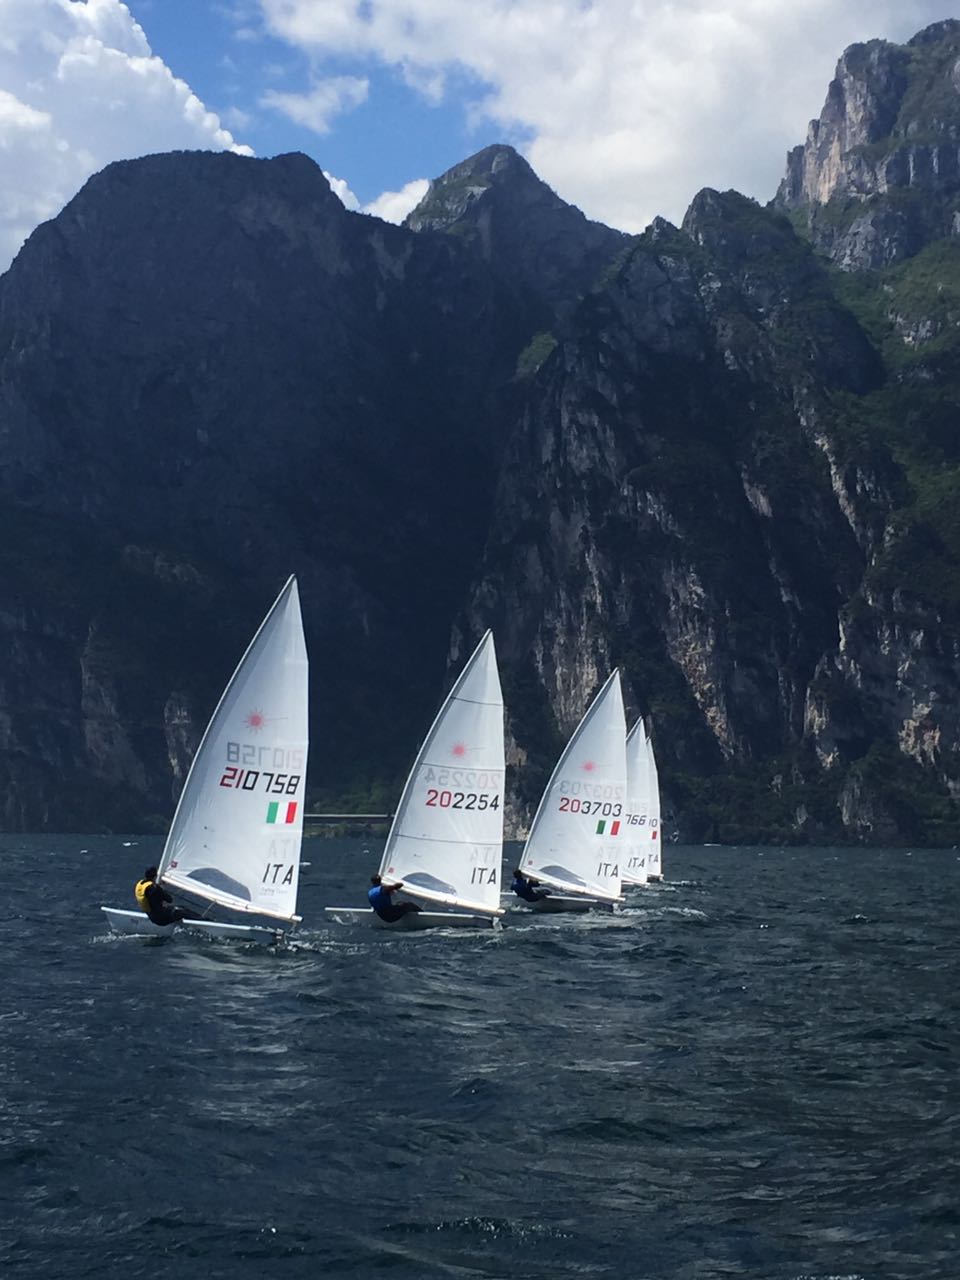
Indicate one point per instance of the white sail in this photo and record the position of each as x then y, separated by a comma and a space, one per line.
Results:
446, 841
654, 860
235, 837
633, 862
579, 829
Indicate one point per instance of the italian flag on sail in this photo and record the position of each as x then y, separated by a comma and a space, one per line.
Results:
273, 812
602, 828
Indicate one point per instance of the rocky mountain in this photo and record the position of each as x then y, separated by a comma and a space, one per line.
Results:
524, 232
212, 375
723, 455
736, 477
879, 174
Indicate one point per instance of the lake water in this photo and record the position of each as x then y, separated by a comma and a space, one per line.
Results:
752, 1071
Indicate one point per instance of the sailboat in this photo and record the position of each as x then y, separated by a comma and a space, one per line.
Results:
654, 859
234, 843
445, 846
633, 864
578, 831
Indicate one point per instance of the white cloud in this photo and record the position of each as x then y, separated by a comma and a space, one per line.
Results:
326, 99
627, 107
236, 118
393, 206
81, 88
342, 191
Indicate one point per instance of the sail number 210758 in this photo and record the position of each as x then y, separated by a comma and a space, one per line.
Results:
277, 784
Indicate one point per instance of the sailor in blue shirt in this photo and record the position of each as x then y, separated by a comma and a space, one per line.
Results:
379, 895
524, 887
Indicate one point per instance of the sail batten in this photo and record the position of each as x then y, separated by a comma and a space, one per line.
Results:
418, 839
477, 702
445, 764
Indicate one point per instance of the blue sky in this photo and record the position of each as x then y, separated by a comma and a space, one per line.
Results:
394, 136
625, 107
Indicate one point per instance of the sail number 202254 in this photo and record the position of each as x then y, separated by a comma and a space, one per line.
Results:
437, 799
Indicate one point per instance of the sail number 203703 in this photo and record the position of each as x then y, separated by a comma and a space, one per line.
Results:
601, 808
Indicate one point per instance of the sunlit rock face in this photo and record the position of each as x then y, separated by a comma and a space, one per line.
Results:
862, 106
879, 174
666, 503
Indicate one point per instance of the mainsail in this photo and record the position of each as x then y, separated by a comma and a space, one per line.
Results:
446, 841
579, 828
633, 863
236, 834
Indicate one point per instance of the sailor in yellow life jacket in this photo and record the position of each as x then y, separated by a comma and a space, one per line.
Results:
155, 901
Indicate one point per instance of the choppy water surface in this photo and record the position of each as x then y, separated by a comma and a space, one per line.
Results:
753, 1071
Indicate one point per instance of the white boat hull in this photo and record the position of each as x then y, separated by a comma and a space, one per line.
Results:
555, 903
136, 924
413, 920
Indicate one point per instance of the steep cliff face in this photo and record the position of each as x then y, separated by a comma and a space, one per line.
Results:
88, 649
879, 175
236, 336
212, 375
666, 504
683, 498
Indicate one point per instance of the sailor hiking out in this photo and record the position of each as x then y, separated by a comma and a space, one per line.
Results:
154, 900
380, 896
